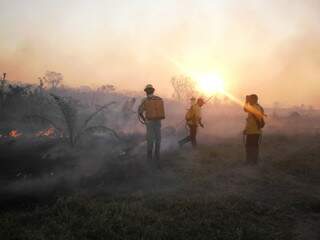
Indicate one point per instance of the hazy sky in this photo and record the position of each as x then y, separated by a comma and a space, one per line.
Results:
270, 47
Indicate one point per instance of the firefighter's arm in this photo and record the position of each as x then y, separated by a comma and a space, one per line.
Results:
200, 123
200, 118
259, 114
141, 111
254, 111
247, 107
142, 117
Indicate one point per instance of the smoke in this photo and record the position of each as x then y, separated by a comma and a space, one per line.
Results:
268, 48
101, 163
262, 47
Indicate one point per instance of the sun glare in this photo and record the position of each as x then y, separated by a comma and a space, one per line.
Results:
210, 84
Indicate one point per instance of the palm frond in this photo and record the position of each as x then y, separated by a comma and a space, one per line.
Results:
100, 129
70, 116
100, 109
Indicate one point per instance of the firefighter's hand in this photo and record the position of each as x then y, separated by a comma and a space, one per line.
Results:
201, 125
142, 119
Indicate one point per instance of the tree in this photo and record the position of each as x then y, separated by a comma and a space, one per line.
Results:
184, 87
53, 79
107, 88
2, 89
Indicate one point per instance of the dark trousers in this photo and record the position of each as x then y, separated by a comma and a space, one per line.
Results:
252, 148
153, 139
192, 136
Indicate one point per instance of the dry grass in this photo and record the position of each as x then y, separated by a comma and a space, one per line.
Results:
207, 194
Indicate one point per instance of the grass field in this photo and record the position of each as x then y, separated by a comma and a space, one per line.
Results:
203, 194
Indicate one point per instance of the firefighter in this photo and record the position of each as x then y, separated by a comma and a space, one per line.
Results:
193, 120
253, 129
151, 112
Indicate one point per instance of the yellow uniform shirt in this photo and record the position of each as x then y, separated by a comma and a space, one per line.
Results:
195, 113
255, 113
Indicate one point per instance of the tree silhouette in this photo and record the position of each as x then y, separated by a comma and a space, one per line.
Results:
184, 87
52, 79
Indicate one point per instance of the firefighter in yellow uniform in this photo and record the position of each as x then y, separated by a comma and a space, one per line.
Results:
193, 120
151, 112
253, 130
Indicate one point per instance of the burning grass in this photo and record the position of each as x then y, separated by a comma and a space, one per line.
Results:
14, 134
49, 132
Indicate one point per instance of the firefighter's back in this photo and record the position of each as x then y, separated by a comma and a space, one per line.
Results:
154, 108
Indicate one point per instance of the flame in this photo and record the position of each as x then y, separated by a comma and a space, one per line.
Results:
46, 132
15, 134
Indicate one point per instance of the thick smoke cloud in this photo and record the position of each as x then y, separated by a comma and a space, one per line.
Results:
264, 47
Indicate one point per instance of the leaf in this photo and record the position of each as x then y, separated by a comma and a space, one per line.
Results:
100, 129
95, 113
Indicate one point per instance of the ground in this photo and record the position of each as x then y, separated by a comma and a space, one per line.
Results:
204, 194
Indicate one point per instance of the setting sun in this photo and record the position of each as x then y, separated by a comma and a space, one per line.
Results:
210, 84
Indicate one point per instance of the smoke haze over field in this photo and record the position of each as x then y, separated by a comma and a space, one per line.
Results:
268, 47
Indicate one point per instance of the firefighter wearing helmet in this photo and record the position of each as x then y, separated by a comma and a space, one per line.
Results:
193, 120
151, 112
253, 129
